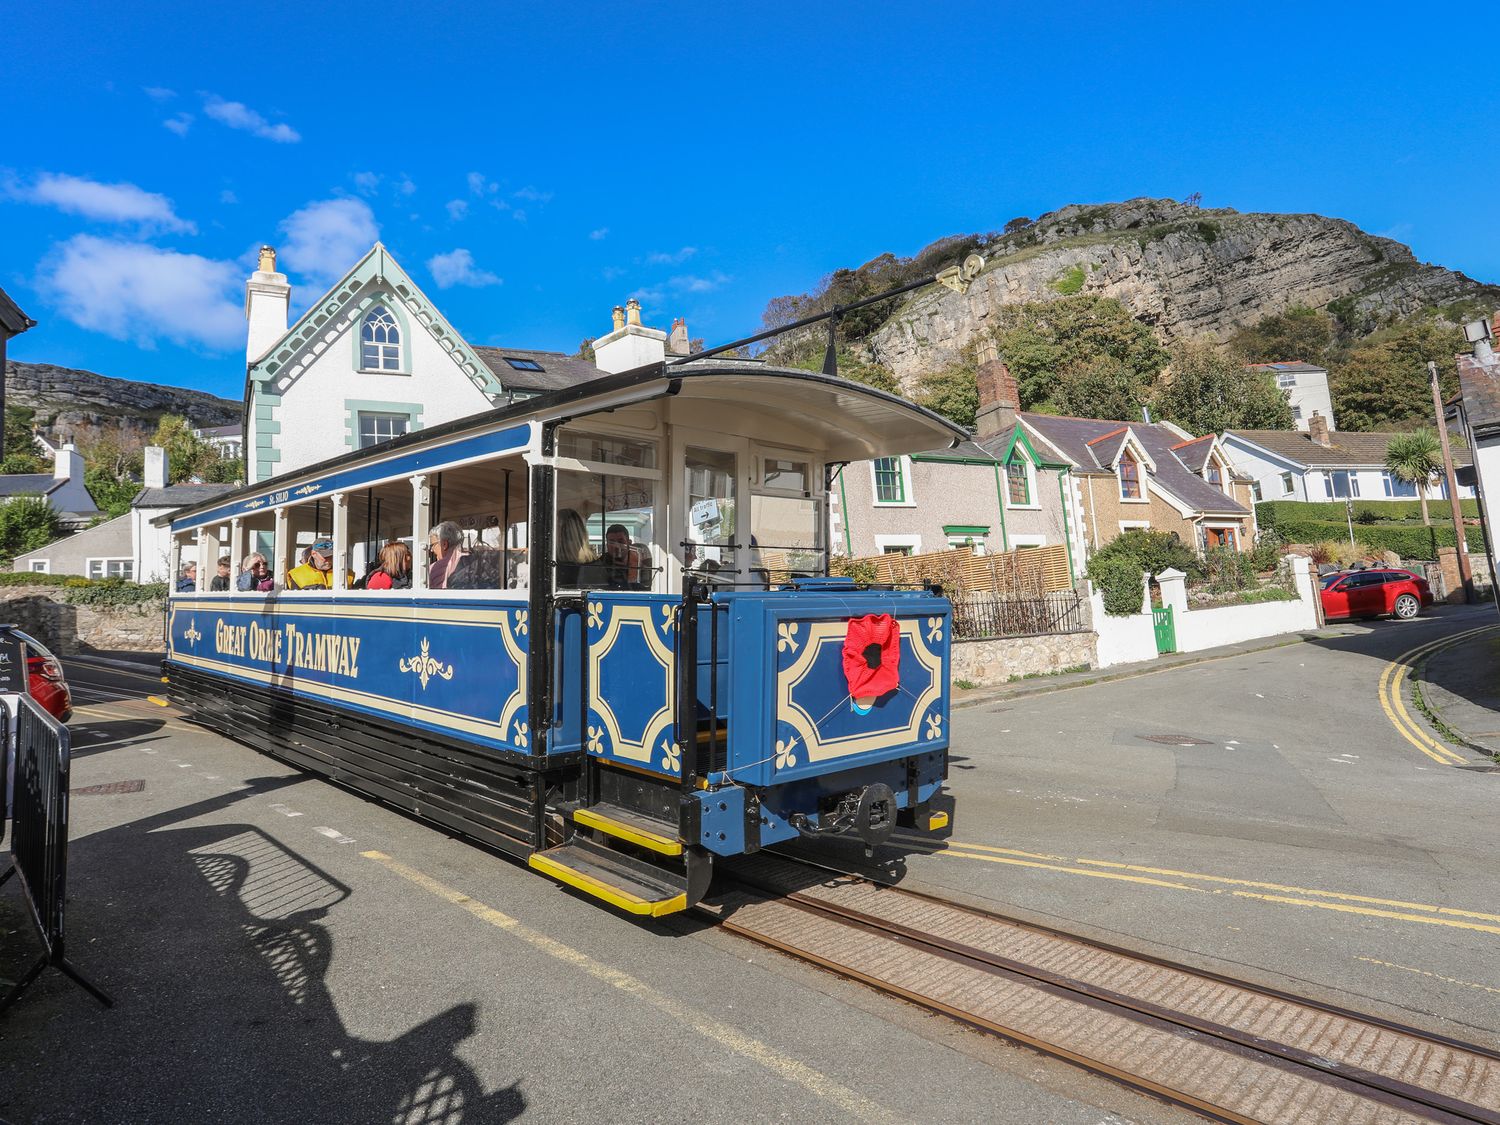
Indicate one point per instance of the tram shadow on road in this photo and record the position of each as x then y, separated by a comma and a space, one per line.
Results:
214, 938
94, 736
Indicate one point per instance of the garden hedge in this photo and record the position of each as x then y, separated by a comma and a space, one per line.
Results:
1410, 541
1271, 513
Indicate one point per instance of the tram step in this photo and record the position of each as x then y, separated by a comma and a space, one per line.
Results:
614, 878
631, 827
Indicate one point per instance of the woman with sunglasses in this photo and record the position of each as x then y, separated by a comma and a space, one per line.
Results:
255, 575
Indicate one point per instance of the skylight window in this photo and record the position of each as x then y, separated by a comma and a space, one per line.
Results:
524, 364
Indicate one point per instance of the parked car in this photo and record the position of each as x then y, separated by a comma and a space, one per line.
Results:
1370, 593
43, 681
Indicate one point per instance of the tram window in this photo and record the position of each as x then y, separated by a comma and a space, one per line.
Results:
487, 501
784, 474
711, 506
377, 516
606, 531
784, 531
606, 449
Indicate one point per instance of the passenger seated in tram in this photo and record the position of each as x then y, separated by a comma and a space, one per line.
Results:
444, 552
219, 583
188, 581
575, 555
316, 569
625, 566
255, 574
392, 569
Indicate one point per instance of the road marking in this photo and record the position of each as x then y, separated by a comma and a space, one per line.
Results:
1425, 973
731, 1038
334, 834
1294, 896
1389, 694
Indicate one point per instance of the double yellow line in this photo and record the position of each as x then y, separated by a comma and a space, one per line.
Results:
1391, 680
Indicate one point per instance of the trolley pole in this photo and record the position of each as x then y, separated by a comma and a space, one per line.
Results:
1461, 541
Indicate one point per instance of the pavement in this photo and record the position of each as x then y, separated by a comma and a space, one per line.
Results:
1460, 690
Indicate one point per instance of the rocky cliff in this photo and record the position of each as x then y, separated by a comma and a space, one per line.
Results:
65, 399
1186, 271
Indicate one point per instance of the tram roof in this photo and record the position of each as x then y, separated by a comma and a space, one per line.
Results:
854, 422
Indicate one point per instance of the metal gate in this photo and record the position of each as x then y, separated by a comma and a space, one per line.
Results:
1165, 628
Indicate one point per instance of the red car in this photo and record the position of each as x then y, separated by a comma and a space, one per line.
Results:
1370, 593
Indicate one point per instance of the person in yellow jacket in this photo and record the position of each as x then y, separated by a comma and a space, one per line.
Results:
316, 570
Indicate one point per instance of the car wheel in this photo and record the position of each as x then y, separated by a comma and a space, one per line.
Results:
1407, 607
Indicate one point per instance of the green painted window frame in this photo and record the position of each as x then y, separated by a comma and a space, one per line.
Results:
1018, 469
354, 407
893, 472
367, 306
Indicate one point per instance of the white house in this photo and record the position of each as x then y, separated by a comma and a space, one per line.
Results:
1479, 414
1306, 387
151, 547
63, 488
1319, 465
370, 360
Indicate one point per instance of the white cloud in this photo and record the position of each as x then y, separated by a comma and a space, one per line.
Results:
458, 209
366, 182
227, 196
457, 268
142, 293
480, 186
404, 186
179, 124
237, 115
690, 283
325, 238
159, 93
648, 296
105, 203
596, 235
519, 215
533, 195
672, 259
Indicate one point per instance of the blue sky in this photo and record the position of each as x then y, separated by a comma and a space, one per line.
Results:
533, 165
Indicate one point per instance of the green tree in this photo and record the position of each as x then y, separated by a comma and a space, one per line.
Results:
953, 393
1041, 340
1299, 333
26, 523
1415, 458
22, 452
191, 458
1382, 383
1208, 392
1101, 387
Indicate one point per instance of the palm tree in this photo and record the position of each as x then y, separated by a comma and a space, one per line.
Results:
1415, 458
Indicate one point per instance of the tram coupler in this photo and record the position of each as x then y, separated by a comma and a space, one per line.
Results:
869, 813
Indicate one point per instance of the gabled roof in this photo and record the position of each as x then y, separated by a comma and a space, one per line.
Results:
12, 320
179, 495
1072, 437
1346, 450
20, 484
1000, 446
558, 371
1194, 452
376, 268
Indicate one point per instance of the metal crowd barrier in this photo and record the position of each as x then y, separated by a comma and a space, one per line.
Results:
39, 838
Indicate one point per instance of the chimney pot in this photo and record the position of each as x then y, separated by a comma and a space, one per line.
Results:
617, 314
267, 259
632, 311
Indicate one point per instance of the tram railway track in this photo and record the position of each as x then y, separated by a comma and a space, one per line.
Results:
1230, 1050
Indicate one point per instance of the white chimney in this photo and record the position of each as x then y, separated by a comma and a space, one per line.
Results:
67, 464
156, 467
678, 342
631, 344
267, 296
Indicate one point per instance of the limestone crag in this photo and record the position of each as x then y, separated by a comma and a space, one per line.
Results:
65, 399
1187, 271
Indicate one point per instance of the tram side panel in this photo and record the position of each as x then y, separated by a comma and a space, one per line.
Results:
422, 706
802, 742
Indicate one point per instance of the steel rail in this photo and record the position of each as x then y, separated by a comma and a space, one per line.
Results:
1402, 1097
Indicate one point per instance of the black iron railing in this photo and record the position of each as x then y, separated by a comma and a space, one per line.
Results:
987, 614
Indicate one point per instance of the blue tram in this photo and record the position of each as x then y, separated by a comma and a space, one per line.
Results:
617, 653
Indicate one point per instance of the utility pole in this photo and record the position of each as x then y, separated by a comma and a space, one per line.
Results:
1465, 571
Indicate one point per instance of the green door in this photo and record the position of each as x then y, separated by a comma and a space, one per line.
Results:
1166, 631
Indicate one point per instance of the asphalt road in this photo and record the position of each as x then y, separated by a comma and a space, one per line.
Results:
282, 950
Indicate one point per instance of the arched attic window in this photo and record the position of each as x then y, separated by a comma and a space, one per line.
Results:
380, 341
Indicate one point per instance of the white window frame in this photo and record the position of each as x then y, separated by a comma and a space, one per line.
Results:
904, 464
1288, 484
1255, 492
88, 565
1140, 479
39, 566
378, 415
1127, 525
912, 541
1035, 504
382, 368
1028, 540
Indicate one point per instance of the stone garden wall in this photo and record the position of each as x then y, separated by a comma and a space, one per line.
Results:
73, 629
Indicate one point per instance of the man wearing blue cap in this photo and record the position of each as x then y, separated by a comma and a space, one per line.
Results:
316, 571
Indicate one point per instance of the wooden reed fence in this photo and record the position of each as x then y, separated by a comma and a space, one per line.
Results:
1028, 571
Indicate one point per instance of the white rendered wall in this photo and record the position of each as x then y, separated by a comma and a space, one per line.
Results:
152, 545
1310, 393
1266, 472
